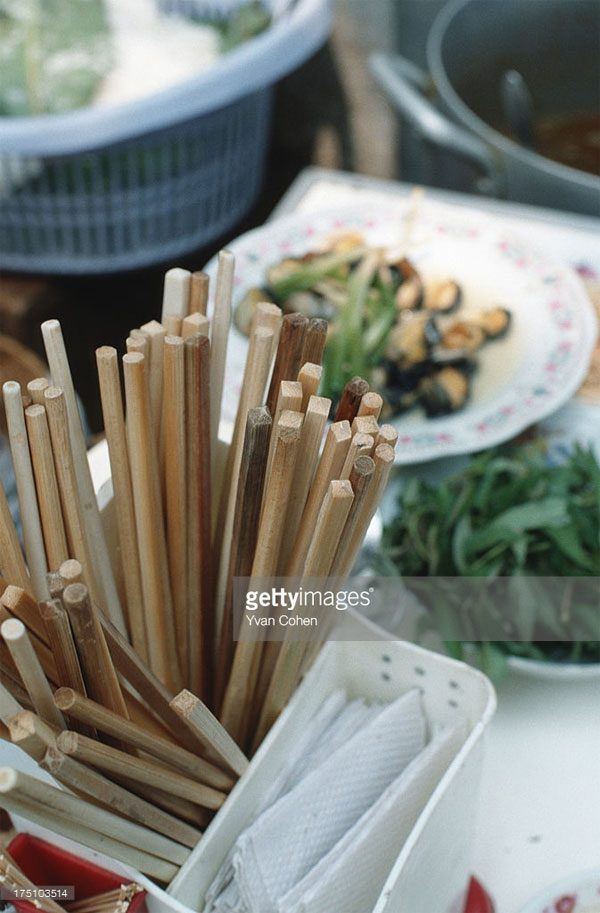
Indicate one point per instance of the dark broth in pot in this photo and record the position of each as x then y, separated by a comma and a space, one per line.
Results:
571, 139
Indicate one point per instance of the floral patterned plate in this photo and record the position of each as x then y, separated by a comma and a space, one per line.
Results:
577, 894
521, 378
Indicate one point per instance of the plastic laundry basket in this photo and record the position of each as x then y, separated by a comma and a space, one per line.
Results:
109, 189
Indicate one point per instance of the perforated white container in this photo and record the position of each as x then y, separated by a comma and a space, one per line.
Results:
433, 867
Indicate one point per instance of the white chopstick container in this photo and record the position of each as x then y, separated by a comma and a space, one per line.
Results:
433, 866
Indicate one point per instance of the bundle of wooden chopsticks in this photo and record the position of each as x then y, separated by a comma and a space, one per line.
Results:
120, 671
13, 879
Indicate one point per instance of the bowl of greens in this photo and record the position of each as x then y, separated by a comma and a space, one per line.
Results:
509, 546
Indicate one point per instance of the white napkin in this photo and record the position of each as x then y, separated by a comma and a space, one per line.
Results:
298, 830
351, 876
335, 721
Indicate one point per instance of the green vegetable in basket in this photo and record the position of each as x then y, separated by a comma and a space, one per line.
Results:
53, 54
509, 514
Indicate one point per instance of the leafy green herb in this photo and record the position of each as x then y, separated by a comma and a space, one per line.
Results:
511, 514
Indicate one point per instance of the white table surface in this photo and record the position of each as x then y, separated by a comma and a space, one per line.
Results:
539, 815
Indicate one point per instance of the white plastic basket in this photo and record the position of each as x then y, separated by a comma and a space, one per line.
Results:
433, 866
109, 189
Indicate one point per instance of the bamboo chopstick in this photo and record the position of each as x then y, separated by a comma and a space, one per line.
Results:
193, 324
78, 707
46, 483
309, 377
174, 428
35, 551
360, 445
59, 814
176, 294
310, 443
31, 734
86, 780
155, 333
26, 660
156, 695
248, 504
277, 493
349, 402
314, 341
112, 760
330, 524
371, 404
206, 727
162, 650
387, 435
200, 632
36, 388
365, 424
199, 287
61, 376
64, 651
12, 563
289, 353
116, 437
100, 677
383, 458
218, 342
329, 468
22, 606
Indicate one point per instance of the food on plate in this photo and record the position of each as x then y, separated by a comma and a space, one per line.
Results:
58, 55
510, 514
417, 339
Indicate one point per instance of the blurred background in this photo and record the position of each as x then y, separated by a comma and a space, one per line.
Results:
493, 97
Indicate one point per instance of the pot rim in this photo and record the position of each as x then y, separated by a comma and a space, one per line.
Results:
535, 668
497, 140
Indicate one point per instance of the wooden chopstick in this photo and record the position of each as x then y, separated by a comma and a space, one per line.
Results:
48, 495
206, 727
12, 563
330, 524
308, 457
360, 445
116, 437
146, 771
309, 377
176, 294
383, 458
221, 323
33, 538
36, 388
289, 354
371, 404
102, 570
199, 288
78, 707
248, 505
63, 814
329, 468
200, 618
100, 677
193, 324
162, 650
174, 429
314, 341
86, 780
26, 660
32, 734
349, 402
22, 606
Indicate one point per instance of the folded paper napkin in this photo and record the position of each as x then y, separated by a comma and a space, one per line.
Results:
357, 763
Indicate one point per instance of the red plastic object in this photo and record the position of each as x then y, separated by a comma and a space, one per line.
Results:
478, 901
48, 865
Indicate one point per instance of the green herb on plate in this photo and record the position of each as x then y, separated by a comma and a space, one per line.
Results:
508, 514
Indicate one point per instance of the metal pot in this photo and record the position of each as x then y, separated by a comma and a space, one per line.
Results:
456, 106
